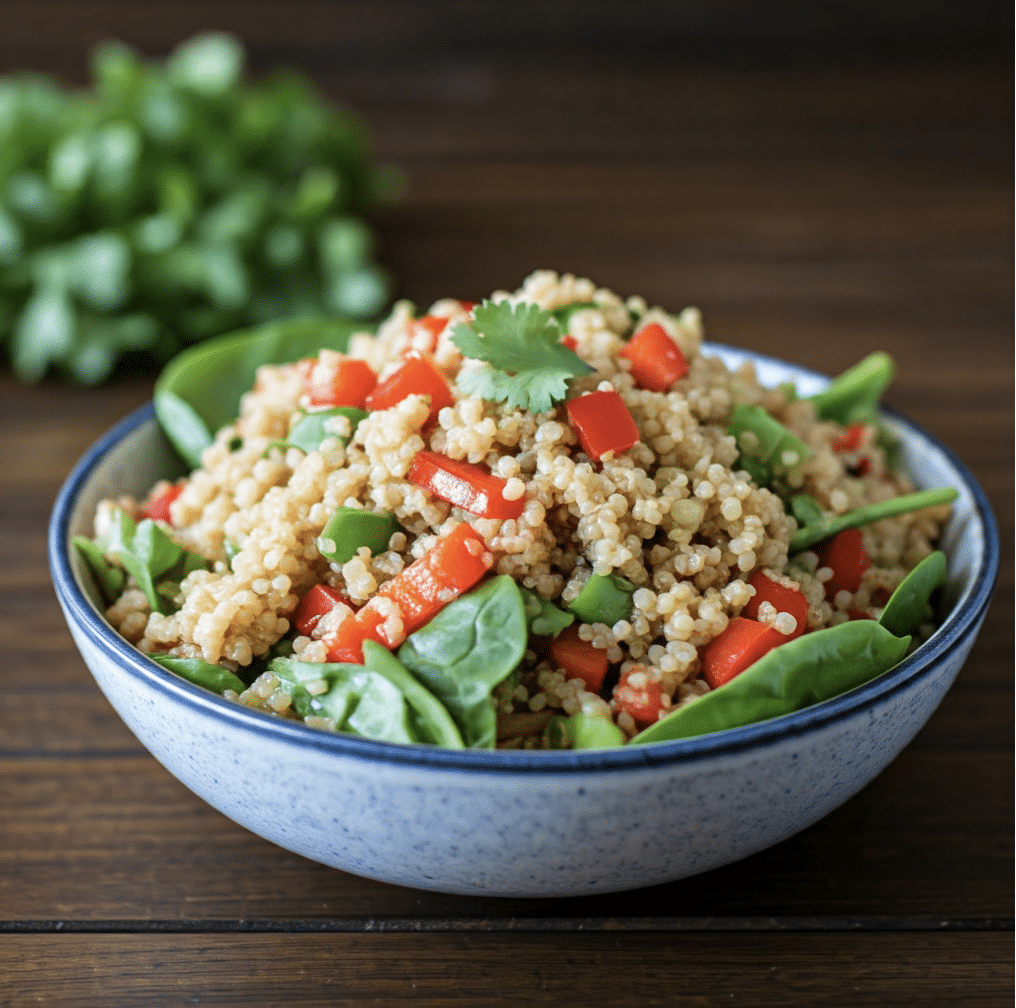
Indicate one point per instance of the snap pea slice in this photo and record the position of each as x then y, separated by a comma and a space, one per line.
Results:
564, 313
589, 731
350, 528
819, 531
795, 675
775, 441
907, 606
604, 599
853, 396
201, 673
309, 431
544, 618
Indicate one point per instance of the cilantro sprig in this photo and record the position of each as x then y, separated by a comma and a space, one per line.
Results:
527, 366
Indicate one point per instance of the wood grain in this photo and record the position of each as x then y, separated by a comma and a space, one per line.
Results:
572, 971
821, 181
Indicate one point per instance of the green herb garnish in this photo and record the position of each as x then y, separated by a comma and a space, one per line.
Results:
527, 365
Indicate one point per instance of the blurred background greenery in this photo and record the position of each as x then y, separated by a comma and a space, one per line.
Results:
172, 200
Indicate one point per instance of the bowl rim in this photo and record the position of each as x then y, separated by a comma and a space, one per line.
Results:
948, 638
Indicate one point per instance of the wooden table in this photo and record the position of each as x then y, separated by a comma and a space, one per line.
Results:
815, 210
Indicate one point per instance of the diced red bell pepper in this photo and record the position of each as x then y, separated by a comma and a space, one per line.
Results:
844, 555
318, 601
569, 341
430, 327
656, 360
465, 485
603, 424
343, 382
379, 620
416, 376
158, 507
856, 614
850, 439
643, 703
579, 658
452, 566
737, 648
785, 599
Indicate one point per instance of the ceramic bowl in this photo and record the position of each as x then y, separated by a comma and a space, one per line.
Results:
522, 823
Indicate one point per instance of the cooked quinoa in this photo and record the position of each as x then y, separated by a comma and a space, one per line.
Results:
674, 514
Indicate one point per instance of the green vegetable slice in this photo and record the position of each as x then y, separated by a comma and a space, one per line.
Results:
819, 531
529, 367
604, 599
201, 673
544, 618
586, 731
564, 313
111, 580
350, 528
770, 448
853, 396
470, 646
795, 675
203, 385
309, 431
908, 605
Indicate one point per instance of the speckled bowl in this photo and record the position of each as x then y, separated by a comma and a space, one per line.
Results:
520, 823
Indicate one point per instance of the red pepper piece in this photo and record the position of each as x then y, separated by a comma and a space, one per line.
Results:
579, 658
465, 485
844, 555
430, 327
345, 382
785, 599
643, 703
656, 360
416, 376
603, 424
740, 645
158, 507
318, 601
850, 439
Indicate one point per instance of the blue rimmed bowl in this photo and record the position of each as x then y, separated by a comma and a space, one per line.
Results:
522, 823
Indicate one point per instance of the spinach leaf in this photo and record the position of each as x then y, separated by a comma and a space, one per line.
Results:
466, 650
806, 510
795, 675
199, 390
358, 700
854, 396
201, 673
907, 606
430, 718
156, 562
818, 531
111, 580
544, 618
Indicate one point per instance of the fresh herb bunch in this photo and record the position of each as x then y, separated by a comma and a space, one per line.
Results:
174, 201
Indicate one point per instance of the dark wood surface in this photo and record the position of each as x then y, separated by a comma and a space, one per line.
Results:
819, 188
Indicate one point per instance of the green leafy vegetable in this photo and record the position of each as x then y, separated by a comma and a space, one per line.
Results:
907, 607
806, 510
795, 675
156, 562
528, 367
170, 202
350, 528
564, 314
853, 396
543, 617
201, 673
818, 531
111, 580
466, 650
604, 599
199, 391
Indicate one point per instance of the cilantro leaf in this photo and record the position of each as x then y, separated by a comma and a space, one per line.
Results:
527, 365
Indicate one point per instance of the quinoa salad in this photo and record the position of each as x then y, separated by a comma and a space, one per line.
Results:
551, 519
